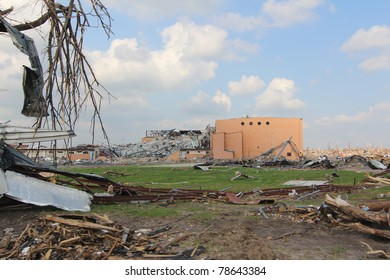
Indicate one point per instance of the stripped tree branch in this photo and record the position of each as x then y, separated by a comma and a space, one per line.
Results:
70, 84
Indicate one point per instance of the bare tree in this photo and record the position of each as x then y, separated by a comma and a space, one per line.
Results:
70, 83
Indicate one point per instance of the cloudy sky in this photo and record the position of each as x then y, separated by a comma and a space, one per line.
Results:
184, 64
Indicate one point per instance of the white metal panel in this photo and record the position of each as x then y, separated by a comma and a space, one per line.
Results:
30, 190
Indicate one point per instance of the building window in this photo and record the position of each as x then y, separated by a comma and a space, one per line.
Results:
258, 123
267, 123
242, 123
251, 123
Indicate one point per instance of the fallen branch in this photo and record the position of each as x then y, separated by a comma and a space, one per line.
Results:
383, 181
116, 173
239, 174
180, 238
369, 230
357, 213
375, 252
291, 234
376, 206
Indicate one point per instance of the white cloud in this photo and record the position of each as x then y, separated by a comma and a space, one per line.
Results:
273, 14
192, 123
223, 100
279, 95
198, 104
203, 104
287, 13
370, 64
247, 85
240, 23
238, 50
377, 37
155, 10
342, 118
199, 99
23, 10
128, 103
377, 112
373, 45
198, 41
188, 57
244, 46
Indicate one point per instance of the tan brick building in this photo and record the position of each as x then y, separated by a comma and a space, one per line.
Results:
246, 138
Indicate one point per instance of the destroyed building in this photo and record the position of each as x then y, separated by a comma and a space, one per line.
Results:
230, 139
250, 137
169, 144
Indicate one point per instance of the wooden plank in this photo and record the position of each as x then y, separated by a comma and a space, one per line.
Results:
82, 224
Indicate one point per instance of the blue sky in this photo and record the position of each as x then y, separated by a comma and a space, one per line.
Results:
184, 64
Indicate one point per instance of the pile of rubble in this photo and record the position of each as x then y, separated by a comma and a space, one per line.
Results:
163, 143
351, 156
369, 217
91, 237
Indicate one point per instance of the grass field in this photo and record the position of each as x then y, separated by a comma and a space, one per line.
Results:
217, 178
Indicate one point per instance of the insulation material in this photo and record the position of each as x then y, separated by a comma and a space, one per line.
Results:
30, 190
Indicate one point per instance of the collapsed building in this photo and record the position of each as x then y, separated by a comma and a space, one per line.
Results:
169, 144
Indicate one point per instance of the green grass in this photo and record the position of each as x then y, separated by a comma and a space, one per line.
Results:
216, 178
143, 210
197, 211
372, 193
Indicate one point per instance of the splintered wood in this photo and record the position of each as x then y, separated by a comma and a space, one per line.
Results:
377, 180
372, 218
371, 222
85, 236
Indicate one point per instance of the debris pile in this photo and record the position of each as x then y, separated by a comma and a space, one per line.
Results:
91, 237
349, 152
371, 217
352, 157
160, 144
378, 179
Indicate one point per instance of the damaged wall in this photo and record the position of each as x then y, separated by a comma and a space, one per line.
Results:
246, 138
